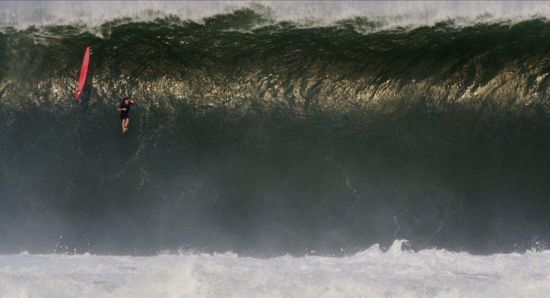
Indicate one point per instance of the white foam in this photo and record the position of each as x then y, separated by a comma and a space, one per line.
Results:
371, 273
391, 13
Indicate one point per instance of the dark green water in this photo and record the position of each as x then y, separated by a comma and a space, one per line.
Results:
275, 139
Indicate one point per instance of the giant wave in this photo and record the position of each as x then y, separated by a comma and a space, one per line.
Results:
266, 137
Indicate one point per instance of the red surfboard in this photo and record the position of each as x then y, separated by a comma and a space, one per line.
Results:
83, 73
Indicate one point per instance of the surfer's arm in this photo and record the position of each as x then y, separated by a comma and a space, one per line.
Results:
121, 109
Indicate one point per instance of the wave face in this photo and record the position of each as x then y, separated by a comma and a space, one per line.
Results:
269, 137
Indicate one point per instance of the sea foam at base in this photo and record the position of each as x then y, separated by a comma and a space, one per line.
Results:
371, 273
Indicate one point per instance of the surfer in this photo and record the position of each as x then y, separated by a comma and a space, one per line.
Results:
124, 109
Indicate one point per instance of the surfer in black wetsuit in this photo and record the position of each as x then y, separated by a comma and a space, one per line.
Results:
124, 109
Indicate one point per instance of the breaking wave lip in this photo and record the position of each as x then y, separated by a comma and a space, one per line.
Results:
373, 272
304, 13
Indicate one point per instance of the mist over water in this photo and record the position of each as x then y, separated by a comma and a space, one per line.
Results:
270, 129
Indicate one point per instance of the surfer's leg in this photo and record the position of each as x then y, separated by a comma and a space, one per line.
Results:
126, 123
123, 126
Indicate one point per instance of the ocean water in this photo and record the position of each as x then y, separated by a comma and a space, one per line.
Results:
370, 273
276, 149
